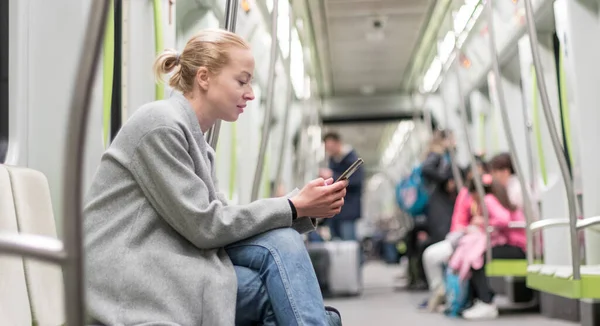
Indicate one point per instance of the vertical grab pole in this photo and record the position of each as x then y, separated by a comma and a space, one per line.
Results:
264, 139
529, 212
231, 8
455, 170
73, 272
288, 107
556, 144
474, 169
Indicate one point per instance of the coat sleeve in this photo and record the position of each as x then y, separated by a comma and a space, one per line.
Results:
165, 172
431, 170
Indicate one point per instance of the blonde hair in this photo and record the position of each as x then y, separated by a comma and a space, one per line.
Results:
209, 48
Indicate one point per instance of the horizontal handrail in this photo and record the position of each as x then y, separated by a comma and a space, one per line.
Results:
588, 222
32, 246
517, 225
546, 223
581, 224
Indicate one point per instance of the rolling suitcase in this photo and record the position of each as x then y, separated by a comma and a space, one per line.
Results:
344, 270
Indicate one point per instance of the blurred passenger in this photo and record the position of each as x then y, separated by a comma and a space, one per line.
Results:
506, 244
437, 175
502, 170
437, 255
341, 157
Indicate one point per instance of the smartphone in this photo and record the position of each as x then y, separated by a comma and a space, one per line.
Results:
350, 171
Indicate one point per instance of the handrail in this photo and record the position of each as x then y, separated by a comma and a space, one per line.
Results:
474, 169
558, 151
159, 90
231, 8
73, 272
529, 212
588, 222
546, 223
264, 139
581, 224
33, 246
517, 225
288, 107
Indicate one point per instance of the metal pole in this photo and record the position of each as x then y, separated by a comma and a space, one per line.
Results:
70, 254
288, 106
231, 8
474, 169
73, 272
264, 140
556, 144
529, 212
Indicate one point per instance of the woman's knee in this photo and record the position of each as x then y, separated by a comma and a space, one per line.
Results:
435, 254
430, 255
285, 240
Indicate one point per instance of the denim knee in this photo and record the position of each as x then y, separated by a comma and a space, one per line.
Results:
285, 240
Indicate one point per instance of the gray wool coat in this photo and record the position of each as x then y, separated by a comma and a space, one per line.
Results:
155, 225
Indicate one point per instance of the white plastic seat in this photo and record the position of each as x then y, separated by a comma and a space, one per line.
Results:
14, 301
534, 268
33, 207
549, 270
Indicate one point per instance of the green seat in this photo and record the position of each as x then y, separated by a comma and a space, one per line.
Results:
558, 280
506, 267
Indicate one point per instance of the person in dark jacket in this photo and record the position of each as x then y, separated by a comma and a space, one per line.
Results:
341, 157
437, 174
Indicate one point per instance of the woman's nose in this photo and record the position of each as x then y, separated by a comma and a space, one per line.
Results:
249, 96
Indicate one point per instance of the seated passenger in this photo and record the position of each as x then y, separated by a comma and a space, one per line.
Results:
506, 244
502, 170
438, 215
163, 247
437, 255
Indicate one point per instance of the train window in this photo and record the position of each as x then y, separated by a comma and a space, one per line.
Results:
3, 79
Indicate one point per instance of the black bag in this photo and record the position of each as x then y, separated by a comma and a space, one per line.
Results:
321, 262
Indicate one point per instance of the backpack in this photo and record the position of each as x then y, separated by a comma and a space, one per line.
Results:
411, 193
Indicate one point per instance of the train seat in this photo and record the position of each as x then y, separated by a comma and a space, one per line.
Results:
14, 301
34, 215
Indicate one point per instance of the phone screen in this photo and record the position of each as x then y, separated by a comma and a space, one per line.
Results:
350, 171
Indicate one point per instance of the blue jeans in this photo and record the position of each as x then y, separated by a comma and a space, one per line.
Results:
275, 265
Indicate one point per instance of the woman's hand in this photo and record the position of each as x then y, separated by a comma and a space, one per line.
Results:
320, 198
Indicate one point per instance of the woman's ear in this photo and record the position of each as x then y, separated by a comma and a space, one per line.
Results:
202, 78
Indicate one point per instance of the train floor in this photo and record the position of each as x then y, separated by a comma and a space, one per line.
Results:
382, 304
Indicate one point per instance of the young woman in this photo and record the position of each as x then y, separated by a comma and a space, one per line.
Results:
506, 243
163, 246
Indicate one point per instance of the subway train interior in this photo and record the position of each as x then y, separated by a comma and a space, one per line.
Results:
480, 110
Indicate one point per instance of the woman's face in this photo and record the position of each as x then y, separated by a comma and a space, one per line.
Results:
231, 88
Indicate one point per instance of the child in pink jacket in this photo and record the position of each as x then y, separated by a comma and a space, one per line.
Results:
506, 243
